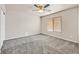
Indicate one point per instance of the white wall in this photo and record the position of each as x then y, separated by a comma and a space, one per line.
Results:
0, 28
69, 25
78, 22
21, 23
2, 25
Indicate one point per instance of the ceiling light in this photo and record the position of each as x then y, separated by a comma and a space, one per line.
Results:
41, 7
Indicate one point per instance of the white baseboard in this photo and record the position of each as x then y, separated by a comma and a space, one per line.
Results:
61, 38
22, 36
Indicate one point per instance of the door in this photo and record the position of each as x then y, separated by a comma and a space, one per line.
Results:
2, 27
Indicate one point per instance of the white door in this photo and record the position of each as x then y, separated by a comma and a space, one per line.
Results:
2, 27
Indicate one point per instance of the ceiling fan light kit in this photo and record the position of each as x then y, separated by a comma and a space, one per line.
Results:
41, 7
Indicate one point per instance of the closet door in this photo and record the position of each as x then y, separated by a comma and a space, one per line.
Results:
78, 24
2, 27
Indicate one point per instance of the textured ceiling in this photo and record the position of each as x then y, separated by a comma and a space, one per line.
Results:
29, 7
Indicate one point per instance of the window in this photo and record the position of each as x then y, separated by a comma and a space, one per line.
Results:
54, 24
50, 25
57, 24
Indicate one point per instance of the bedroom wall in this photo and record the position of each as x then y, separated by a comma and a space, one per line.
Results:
0, 28
78, 23
69, 25
2, 24
21, 23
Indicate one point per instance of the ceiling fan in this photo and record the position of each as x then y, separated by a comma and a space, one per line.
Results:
41, 7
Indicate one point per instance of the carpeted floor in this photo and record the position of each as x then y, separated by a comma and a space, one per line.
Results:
39, 44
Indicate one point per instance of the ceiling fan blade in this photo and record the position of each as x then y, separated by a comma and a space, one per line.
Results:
35, 5
46, 5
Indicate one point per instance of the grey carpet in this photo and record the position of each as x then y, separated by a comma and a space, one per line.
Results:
39, 44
